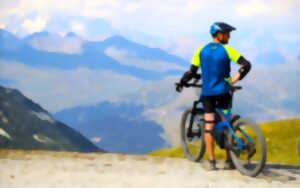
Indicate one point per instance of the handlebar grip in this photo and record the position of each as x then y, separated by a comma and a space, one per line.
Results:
237, 87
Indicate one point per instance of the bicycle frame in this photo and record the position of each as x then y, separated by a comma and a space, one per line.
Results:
221, 125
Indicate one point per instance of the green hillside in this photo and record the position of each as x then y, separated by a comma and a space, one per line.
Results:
281, 138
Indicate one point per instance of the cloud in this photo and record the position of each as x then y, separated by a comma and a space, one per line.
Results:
57, 43
35, 25
2, 25
154, 93
288, 37
184, 46
277, 8
77, 27
170, 22
129, 58
272, 89
169, 114
100, 9
132, 7
56, 90
252, 8
88, 28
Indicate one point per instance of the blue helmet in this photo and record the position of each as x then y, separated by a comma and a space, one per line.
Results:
220, 27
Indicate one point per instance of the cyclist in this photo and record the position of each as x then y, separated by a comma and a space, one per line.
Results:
214, 60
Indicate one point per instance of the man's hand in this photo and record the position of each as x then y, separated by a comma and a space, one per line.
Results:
198, 76
229, 81
179, 87
233, 80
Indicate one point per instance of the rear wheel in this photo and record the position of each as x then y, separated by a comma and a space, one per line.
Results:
249, 159
192, 134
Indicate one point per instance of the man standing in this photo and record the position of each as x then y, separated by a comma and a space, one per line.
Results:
214, 60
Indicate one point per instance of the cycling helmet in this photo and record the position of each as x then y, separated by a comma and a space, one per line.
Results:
220, 27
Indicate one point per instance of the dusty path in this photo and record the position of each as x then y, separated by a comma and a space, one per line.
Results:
71, 170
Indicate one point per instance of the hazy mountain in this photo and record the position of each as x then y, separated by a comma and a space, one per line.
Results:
270, 58
37, 35
93, 56
116, 127
9, 42
26, 125
140, 51
71, 34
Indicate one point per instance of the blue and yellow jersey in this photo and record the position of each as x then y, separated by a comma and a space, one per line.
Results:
214, 60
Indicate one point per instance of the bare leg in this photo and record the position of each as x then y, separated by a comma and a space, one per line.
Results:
228, 158
209, 140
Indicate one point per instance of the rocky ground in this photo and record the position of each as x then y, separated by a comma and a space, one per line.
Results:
70, 169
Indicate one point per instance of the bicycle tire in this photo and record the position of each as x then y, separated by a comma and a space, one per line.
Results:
193, 154
245, 169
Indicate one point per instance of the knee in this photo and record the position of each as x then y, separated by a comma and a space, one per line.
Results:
209, 124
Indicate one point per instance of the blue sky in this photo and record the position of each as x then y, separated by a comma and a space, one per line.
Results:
177, 26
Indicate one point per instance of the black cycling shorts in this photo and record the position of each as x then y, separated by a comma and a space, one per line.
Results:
210, 103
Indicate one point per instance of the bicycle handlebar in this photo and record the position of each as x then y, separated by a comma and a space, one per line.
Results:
194, 84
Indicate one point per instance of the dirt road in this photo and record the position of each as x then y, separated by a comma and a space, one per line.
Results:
68, 169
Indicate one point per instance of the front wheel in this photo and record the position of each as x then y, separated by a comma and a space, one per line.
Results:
192, 134
248, 149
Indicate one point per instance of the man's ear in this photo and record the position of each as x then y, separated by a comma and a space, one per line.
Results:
219, 36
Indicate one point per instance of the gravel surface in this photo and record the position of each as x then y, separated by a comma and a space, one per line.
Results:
70, 169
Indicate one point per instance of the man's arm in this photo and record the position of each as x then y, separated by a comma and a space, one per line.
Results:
236, 57
192, 73
187, 76
243, 71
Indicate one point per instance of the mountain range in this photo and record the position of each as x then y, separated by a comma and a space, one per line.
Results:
115, 127
111, 126
93, 55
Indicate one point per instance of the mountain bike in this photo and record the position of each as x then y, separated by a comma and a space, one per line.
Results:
240, 135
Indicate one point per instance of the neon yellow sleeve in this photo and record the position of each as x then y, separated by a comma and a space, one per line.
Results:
196, 58
233, 54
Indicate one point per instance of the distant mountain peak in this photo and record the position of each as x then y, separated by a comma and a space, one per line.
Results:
6, 34
39, 34
2, 31
117, 39
71, 34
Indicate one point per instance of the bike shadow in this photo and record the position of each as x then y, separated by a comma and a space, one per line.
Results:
283, 173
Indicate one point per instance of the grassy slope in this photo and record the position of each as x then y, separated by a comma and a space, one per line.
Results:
281, 138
